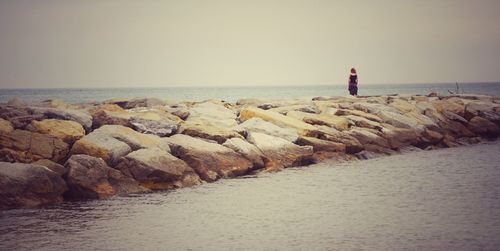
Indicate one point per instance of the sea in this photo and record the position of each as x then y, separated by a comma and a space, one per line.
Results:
446, 199
232, 94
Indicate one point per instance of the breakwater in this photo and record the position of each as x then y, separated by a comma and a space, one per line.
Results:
53, 151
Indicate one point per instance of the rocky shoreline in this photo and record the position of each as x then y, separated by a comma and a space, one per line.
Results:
53, 151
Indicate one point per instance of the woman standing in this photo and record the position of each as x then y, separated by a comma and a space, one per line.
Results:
353, 82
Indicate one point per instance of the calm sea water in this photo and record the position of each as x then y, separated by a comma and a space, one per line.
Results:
446, 199
232, 94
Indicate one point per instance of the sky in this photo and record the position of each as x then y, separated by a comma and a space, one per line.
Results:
148, 43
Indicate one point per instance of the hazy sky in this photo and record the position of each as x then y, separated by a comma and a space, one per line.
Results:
100, 43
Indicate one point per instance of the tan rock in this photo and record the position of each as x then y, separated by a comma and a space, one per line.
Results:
110, 142
157, 169
26, 146
448, 105
343, 112
211, 161
280, 153
483, 127
247, 150
365, 136
337, 122
320, 145
218, 134
66, 130
363, 122
352, 144
5, 126
53, 166
259, 125
276, 118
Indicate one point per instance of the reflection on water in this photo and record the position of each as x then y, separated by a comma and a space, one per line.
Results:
439, 200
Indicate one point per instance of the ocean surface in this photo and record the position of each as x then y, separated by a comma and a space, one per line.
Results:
232, 94
447, 199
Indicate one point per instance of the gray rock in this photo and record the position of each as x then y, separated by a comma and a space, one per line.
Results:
259, 125
281, 153
247, 150
29, 185
211, 161
89, 177
157, 169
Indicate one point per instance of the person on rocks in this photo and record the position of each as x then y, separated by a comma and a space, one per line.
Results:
353, 82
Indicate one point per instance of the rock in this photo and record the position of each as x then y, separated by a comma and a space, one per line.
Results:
208, 113
365, 136
432, 137
301, 108
5, 126
259, 125
483, 127
455, 117
157, 169
456, 129
65, 130
150, 121
363, 122
337, 122
79, 116
249, 101
53, 166
321, 145
343, 112
25, 146
110, 142
179, 110
136, 102
403, 106
247, 150
280, 153
29, 185
477, 109
89, 177
211, 161
276, 118
400, 137
16, 102
399, 120
448, 105
218, 134
352, 144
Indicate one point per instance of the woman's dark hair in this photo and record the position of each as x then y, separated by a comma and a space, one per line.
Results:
353, 70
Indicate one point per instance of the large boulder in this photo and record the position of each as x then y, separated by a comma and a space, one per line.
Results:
365, 136
89, 177
80, 116
352, 145
53, 166
363, 122
483, 127
150, 121
65, 130
209, 113
129, 103
398, 120
320, 145
29, 185
448, 105
5, 126
259, 125
477, 108
337, 122
111, 142
157, 169
219, 134
400, 137
345, 112
25, 146
247, 150
279, 152
211, 161
277, 119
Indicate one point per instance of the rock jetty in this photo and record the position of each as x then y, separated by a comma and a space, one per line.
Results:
52, 151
